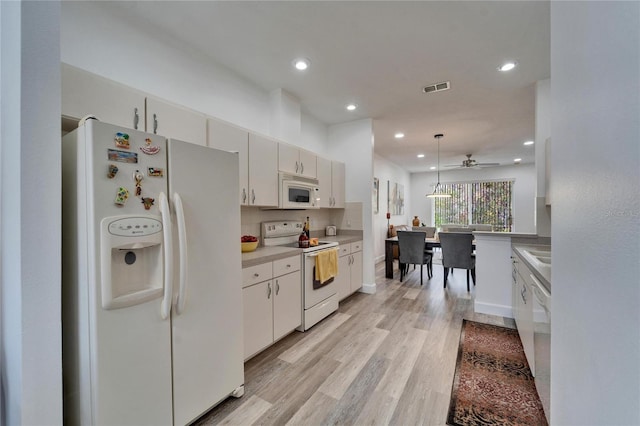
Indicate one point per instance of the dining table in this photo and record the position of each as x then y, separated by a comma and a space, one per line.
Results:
429, 244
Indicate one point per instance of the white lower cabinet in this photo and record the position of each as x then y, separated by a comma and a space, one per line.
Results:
272, 302
349, 278
523, 308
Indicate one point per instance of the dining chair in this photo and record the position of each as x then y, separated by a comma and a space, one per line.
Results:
457, 252
411, 246
431, 233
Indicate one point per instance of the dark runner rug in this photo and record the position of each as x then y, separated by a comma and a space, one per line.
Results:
492, 384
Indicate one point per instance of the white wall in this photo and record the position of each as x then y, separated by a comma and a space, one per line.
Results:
386, 171
313, 134
543, 132
31, 363
523, 188
110, 46
595, 96
352, 143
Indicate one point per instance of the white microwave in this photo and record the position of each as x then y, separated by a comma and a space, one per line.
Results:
297, 192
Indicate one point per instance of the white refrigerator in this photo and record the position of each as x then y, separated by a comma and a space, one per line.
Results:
152, 304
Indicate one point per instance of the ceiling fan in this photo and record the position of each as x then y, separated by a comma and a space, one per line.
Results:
470, 163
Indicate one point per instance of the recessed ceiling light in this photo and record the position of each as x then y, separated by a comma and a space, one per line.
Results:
399, 135
507, 66
528, 143
432, 168
420, 155
517, 160
351, 107
301, 64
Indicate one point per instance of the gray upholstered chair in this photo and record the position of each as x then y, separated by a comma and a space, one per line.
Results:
412, 251
457, 249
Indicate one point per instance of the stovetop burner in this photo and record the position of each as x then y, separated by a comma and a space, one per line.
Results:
286, 234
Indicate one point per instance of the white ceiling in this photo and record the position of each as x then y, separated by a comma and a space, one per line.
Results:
380, 54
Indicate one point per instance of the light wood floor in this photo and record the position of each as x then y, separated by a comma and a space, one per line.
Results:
386, 358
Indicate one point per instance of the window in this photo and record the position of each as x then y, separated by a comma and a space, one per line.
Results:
474, 203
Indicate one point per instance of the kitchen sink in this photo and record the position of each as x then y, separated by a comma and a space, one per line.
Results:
540, 260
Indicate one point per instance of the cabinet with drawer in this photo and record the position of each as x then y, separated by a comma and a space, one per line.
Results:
272, 302
349, 278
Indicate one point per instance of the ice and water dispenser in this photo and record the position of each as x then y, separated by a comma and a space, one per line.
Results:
132, 260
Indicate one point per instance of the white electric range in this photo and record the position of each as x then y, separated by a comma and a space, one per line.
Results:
317, 301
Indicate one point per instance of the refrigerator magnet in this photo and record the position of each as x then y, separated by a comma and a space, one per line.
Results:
149, 149
121, 196
155, 171
137, 176
122, 156
148, 202
122, 140
112, 171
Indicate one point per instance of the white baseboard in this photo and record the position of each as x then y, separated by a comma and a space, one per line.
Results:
368, 288
492, 309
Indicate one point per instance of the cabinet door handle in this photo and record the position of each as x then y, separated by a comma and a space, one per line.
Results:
155, 124
296, 167
256, 275
288, 266
269, 291
244, 195
277, 287
253, 197
301, 167
136, 118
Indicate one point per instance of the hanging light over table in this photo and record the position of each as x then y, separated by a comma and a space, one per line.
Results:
437, 191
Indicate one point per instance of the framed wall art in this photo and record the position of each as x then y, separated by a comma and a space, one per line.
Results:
376, 195
395, 198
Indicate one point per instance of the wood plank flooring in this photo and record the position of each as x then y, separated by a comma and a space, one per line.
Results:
386, 358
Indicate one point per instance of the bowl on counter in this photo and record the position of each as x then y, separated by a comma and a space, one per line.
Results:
249, 246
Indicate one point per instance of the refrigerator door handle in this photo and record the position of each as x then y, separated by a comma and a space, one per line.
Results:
165, 307
182, 248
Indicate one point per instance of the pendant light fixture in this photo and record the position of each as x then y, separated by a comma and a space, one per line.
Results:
437, 191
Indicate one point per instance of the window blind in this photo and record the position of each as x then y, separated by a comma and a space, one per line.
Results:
485, 202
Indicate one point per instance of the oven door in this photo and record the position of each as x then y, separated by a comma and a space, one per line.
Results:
314, 296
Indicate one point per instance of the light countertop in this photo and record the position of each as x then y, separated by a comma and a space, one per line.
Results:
269, 254
544, 278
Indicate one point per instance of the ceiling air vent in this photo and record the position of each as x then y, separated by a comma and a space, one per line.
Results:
438, 87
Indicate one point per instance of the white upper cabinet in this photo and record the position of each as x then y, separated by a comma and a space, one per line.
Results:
296, 161
331, 183
263, 171
258, 158
337, 183
324, 182
228, 137
173, 121
84, 93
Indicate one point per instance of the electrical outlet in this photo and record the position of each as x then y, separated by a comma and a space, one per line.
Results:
349, 224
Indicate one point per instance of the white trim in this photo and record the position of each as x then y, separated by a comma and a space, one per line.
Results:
493, 309
368, 288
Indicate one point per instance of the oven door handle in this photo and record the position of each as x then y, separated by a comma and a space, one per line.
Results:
316, 253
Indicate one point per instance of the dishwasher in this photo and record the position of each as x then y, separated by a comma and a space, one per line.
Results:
542, 341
